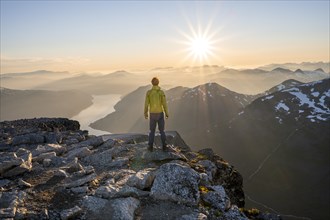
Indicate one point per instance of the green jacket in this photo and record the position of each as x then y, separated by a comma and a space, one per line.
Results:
156, 101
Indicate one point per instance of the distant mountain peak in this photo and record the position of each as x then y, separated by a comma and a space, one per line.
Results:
211, 86
299, 71
280, 69
284, 85
119, 73
319, 70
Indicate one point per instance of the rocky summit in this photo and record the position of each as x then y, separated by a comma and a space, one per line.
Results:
49, 169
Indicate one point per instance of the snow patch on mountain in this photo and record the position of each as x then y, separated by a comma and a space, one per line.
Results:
315, 94
267, 98
283, 106
319, 110
279, 120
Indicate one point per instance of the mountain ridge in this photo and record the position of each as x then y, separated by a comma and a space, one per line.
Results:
247, 134
51, 169
36, 103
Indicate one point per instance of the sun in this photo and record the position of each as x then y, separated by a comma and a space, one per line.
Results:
200, 48
201, 43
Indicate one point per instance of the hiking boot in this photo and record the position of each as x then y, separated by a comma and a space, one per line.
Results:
150, 148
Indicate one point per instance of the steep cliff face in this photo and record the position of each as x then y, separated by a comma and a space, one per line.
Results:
49, 169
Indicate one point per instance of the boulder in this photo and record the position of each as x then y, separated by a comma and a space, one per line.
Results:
40, 158
118, 150
177, 183
58, 149
80, 190
53, 138
74, 183
24, 154
99, 159
217, 198
4, 182
33, 138
8, 161
70, 213
8, 204
78, 152
207, 152
233, 214
142, 179
204, 179
209, 167
73, 166
11, 165
113, 191
46, 162
124, 208
110, 143
119, 162
93, 204
116, 209
94, 142
121, 176
24, 167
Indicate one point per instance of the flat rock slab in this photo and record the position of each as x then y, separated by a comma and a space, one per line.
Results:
162, 156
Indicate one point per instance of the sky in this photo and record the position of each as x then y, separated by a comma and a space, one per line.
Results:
100, 36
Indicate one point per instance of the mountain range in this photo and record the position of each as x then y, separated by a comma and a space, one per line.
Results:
303, 65
281, 144
194, 112
278, 139
246, 81
271, 123
15, 104
50, 169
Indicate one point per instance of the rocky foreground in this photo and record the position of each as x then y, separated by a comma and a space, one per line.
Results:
49, 169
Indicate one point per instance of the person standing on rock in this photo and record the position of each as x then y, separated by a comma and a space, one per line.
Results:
155, 103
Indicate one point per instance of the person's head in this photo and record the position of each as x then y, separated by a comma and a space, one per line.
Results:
155, 81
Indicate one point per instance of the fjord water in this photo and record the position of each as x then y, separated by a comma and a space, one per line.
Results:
101, 107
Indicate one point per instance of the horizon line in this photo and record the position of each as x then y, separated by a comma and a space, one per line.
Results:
236, 67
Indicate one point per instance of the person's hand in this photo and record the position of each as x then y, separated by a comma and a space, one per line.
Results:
146, 116
166, 116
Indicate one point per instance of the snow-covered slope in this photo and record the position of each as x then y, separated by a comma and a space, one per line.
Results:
284, 139
310, 101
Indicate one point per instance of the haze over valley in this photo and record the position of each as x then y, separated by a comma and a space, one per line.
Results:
256, 80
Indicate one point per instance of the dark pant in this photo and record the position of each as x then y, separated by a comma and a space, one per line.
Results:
157, 118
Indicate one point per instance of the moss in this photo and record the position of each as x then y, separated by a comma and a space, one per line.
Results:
217, 213
254, 211
201, 156
205, 205
137, 164
194, 161
250, 212
203, 189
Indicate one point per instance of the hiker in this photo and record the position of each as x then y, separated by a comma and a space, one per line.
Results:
156, 104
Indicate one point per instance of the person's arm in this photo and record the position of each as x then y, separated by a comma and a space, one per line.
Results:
164, 103
146, 105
